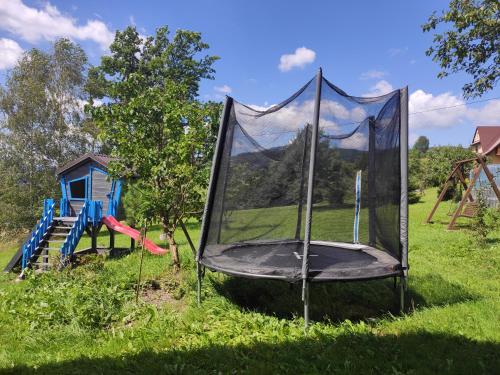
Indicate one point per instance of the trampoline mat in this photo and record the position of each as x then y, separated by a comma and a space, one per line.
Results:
283, 260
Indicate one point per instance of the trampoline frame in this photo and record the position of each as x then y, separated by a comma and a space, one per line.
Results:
355, 248
403, 224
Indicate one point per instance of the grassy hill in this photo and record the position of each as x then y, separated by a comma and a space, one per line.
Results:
86, 320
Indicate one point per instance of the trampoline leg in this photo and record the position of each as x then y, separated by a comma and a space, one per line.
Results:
402, 290
306, 305
395, 282
198, 292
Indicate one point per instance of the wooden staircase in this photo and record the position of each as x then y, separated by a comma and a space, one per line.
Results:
48, 255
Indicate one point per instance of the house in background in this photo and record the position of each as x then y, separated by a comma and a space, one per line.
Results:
486, 141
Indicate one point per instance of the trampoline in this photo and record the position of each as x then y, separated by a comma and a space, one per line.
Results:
313, 189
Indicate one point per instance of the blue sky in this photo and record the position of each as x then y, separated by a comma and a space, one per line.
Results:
269, 49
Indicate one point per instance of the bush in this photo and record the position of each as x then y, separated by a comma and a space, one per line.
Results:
485, 221
452, 193
415, 179
413, 193
71, 298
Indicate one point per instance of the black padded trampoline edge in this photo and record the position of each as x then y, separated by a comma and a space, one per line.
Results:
314, 279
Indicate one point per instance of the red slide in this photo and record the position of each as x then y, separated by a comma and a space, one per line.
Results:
114, 224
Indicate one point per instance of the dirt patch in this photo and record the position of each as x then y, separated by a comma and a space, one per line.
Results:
159, 293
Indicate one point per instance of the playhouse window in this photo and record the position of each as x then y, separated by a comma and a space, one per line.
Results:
78, 188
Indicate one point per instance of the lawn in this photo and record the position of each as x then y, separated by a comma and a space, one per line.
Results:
334, 224
86, 319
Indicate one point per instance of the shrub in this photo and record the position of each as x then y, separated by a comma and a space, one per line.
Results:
71, 298
485, 221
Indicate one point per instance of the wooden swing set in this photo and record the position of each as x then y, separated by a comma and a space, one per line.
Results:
467, 206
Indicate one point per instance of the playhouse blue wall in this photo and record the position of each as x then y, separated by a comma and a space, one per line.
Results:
99, 187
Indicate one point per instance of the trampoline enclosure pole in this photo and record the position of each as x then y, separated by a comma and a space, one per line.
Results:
402, 289
372, 194
221, 137
310, 190
301, 187
198, 284
403, 224
306, 305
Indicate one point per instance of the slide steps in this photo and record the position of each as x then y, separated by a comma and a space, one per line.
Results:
48, 253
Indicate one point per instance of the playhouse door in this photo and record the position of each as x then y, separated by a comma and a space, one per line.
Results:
101, 188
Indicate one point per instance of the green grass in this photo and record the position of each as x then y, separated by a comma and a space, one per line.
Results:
85, 320
336, 224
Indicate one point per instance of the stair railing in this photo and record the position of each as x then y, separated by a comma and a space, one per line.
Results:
69, 245
39, 232
95, 212
63, 207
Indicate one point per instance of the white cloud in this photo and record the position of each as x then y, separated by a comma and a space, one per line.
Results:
277, 128
301, 57
489, 114
10, 52
380, 88
373, 74
333, 109
287, 120
357, 141
223, 90
422, 101
423, 115
49, 23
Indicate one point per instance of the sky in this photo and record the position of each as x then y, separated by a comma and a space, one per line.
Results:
269, 49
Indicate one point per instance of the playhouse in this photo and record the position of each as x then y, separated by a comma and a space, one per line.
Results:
86, 179
90, 198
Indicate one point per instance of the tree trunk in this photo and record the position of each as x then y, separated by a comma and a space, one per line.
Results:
171, 244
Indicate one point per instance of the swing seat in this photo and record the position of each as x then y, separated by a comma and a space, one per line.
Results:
470, 210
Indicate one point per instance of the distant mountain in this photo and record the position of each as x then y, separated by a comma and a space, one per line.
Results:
261, 158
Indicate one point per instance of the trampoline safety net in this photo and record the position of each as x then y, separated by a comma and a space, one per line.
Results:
256, 213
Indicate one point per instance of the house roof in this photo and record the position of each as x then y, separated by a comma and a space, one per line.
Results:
103, 160
489, 137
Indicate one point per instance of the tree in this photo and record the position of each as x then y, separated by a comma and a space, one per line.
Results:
471, 44
335, 175
41, 128
416, 180
422, 144
438, 163
160, 134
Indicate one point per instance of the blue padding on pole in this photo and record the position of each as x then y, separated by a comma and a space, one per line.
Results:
357, 208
